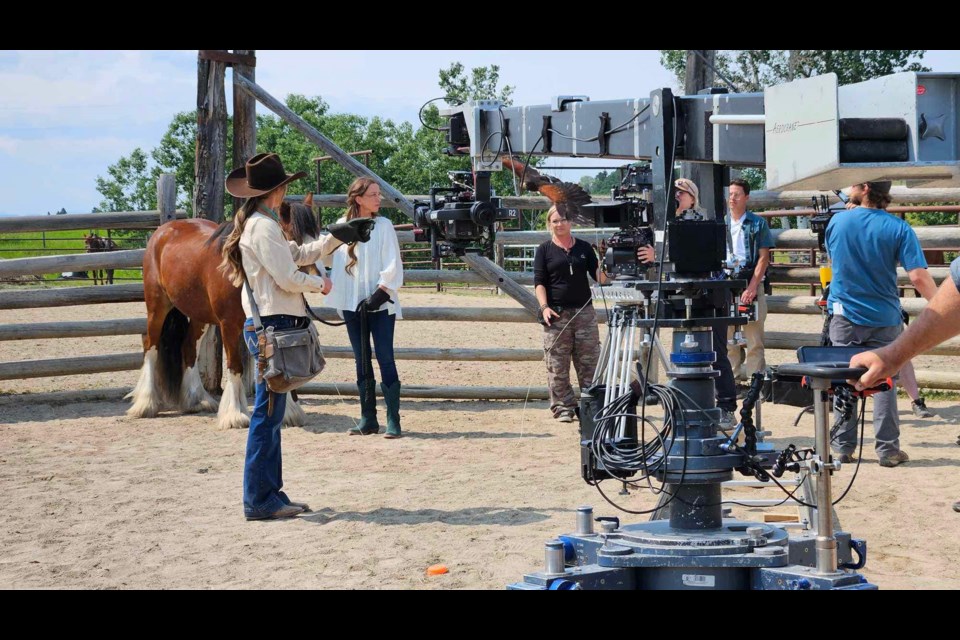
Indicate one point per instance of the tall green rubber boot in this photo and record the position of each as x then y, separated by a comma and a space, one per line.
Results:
391, 396
368, 409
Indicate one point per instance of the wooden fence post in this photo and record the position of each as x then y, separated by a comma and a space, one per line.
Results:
167, 197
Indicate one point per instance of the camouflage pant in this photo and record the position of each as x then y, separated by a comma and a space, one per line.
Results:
570, 337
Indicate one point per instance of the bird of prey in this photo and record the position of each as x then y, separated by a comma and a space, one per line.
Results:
568, 197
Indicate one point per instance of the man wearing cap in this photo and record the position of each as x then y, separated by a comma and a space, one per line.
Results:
865, 244
750, 244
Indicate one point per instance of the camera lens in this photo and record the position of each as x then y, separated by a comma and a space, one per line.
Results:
483, 213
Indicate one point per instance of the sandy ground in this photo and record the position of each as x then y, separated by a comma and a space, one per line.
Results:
99, 500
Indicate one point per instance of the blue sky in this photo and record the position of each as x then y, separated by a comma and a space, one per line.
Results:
66, 115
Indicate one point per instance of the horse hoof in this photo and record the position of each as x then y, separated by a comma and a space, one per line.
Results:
236, 422
202, 406
144, 410
294, 416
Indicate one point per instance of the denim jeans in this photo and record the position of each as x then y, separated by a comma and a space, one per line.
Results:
725, 386
381, 324
262, 469
886, 421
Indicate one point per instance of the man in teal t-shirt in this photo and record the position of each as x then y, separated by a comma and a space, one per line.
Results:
750, 242
865, 244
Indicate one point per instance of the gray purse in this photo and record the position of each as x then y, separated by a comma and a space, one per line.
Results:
288, 358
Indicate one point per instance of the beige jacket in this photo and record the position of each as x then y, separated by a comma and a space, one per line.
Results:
271, 267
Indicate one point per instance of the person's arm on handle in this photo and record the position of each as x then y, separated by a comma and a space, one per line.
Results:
939, 321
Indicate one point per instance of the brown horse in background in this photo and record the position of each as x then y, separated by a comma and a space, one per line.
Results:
96, 244
185, 291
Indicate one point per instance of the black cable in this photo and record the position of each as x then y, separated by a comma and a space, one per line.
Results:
516, 186
863, 422
566, 137
669, 417
668, 187
484, 146
616, 129
620, 127
420, 113
503, 137
530, 153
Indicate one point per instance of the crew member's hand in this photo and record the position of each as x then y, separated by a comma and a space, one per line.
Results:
878, 368
547, 314
749, 295
646, 254
327, 285
850, 205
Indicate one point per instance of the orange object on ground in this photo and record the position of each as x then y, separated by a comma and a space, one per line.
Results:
437, 569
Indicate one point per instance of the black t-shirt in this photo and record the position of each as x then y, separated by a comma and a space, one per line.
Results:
564, 274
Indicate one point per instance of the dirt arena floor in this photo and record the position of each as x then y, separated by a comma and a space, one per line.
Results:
99, 500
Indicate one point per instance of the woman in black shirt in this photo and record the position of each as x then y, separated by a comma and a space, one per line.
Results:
560, 268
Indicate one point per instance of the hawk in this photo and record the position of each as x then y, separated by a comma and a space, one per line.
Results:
568, 197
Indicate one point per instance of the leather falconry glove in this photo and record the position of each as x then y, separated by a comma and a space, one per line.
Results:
356, 230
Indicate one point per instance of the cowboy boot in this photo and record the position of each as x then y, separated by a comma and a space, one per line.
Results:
368, 409
391, 396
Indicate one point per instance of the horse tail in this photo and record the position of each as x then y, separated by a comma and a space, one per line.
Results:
170, 353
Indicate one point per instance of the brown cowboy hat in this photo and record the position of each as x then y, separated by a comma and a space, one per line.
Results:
262, 174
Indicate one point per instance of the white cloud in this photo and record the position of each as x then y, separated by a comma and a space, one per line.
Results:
46, 90
47, 174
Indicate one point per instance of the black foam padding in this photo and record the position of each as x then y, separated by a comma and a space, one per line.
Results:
873, 129
873, 151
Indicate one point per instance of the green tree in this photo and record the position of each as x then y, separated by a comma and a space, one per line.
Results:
481, 85
410, 159
751, 70
130, 186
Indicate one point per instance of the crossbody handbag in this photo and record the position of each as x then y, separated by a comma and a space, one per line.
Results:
288, 358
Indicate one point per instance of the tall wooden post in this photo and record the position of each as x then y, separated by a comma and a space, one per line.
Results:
244, 117
167, 197
208, 194
211, 138
708, 178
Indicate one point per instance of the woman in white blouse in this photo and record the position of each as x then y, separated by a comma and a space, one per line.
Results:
366, 281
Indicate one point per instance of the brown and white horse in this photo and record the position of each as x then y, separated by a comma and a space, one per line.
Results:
185, 291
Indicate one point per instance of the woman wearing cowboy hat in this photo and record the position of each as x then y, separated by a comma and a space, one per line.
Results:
256, 251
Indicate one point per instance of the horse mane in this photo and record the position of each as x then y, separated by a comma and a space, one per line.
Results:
301, 223
220, 235
298, 220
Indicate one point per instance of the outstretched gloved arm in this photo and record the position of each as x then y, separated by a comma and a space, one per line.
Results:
356, 230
